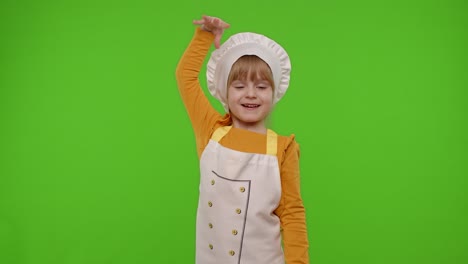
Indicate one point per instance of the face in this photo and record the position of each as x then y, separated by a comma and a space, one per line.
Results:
250, 101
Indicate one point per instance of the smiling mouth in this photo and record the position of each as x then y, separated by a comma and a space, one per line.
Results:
250, 105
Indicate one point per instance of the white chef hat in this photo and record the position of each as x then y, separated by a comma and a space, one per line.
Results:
247, 43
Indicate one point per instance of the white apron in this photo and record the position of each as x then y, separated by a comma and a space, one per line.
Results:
238, 193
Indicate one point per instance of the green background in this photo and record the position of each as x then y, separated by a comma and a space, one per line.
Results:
97, 156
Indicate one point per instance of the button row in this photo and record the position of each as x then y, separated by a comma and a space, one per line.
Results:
231, 252
241, 189
234, 231
238, 211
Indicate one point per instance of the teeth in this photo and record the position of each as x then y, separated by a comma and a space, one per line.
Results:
250, 105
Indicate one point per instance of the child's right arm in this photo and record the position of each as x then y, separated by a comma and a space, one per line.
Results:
187, 75
202, 115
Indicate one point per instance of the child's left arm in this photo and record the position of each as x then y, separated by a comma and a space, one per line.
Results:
291, 210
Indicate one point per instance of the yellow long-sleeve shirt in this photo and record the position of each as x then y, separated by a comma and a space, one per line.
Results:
205, 120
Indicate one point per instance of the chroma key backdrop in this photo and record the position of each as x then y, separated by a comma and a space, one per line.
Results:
97, 155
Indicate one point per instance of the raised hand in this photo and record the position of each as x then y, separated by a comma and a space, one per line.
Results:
213, 25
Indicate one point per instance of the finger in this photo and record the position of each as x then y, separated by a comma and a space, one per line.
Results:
217, 40
222, 24
198, 22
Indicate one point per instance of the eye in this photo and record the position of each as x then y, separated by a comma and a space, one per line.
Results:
262, 84
237, 84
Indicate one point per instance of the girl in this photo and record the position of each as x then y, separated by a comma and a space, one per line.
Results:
250, 210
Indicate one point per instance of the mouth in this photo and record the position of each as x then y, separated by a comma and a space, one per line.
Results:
251, 106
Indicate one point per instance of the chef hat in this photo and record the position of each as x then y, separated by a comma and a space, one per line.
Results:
247, 43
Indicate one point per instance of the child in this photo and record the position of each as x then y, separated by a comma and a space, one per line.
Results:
250, 203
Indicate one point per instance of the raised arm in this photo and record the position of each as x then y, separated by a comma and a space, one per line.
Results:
202, 115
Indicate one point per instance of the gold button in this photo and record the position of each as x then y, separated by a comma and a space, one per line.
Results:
210, 225
242, 189
210, 204
211, 246
212, 182
238, 211
231, 252
234, 232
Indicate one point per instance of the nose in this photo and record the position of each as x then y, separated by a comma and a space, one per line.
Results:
251, 92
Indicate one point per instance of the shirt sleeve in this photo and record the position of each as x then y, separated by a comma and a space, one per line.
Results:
291, 209
201, 113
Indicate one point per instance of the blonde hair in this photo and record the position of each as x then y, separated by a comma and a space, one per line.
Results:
252, 67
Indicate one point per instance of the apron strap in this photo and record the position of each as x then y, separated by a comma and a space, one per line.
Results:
272, 139
220, 132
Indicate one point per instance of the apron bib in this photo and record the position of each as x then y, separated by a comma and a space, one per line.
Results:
238, 193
